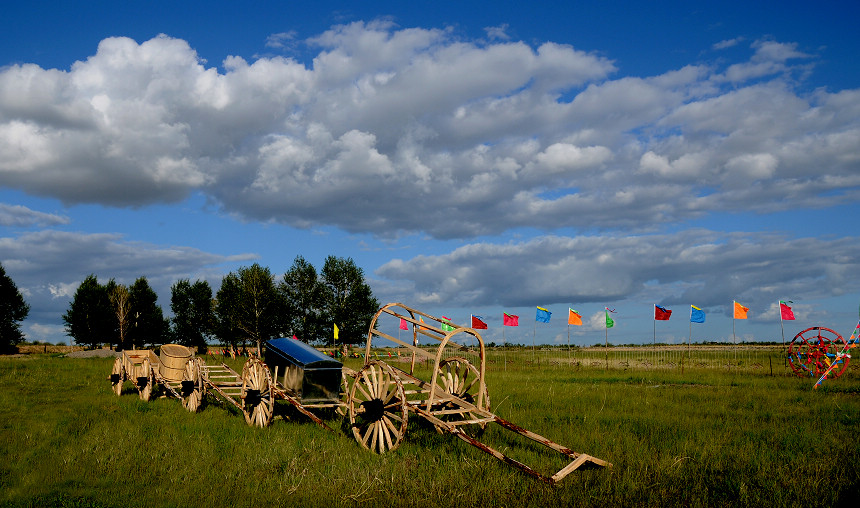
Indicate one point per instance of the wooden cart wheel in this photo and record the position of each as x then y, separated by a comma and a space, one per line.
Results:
345, 380
458, 377
813, 350
192, 389
258, 398
117, 376
377, 408
145, 379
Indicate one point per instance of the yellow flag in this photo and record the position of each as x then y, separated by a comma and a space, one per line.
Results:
336, 330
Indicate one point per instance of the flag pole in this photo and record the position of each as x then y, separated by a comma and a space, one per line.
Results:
782, 330
734, 339
655, 326
690, 339
606, 345
568, 340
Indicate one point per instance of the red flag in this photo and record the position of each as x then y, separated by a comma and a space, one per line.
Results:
661, 313
511, 320
785, 311
478, 324
403, 325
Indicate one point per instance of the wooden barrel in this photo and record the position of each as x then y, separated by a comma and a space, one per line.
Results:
173, 358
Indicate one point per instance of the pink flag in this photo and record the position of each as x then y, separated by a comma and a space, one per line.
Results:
511, 320
785, 311
403, 325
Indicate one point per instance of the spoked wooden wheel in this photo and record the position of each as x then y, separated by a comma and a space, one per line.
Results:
145, 379
257, 395
458, 377
345, 381
117, 376
813, 350
377, 408
192, 389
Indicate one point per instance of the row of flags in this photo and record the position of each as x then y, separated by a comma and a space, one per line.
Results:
542, 315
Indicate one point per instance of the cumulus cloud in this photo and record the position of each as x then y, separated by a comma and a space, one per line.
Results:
48, 266
392, 131
701, 266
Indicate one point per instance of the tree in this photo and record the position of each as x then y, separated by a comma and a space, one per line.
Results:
119, 299
302, 294
226, 311
146, 319
13, 309
348, 300
90, 319
250, 304
193, 317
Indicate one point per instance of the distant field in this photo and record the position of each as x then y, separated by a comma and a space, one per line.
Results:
710, 435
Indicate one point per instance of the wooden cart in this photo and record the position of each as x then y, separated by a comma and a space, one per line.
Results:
149, 371
454, 400
179, 374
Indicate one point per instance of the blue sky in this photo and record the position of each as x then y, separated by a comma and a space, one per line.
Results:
471, 160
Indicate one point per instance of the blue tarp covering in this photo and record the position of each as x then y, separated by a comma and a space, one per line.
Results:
300, 353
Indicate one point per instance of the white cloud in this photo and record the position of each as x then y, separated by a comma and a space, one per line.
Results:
21, 216
706, 267
394, 131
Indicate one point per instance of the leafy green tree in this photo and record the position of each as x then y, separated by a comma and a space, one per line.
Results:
193, 317
348, 300
251, 305
147, 324
13, 309
90, 320
226, 311
302, 293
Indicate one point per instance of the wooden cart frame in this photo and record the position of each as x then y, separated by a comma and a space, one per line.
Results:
455, 400
377, 399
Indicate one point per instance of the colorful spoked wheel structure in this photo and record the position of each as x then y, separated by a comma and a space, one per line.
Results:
813, 351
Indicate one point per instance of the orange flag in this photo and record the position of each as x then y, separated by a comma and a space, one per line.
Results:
573, 317
741, 311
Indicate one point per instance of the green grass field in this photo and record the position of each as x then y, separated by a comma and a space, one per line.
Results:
704, 437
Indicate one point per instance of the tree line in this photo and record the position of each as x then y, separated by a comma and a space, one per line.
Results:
250, 307
13, 310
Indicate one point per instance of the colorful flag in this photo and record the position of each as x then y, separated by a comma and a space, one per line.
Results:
478, 323
511, 320
609, 321
785, 311
573, 317
446, 324
543, 315
697, 315
662, 313
336, 330
403, 324
741, 311
422, 322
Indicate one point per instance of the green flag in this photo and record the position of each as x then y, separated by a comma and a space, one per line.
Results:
446, 324
609, 321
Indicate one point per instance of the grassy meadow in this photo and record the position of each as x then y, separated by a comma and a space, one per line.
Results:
701, 437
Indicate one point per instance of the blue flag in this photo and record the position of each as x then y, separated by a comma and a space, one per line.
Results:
697, 315
543, 315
